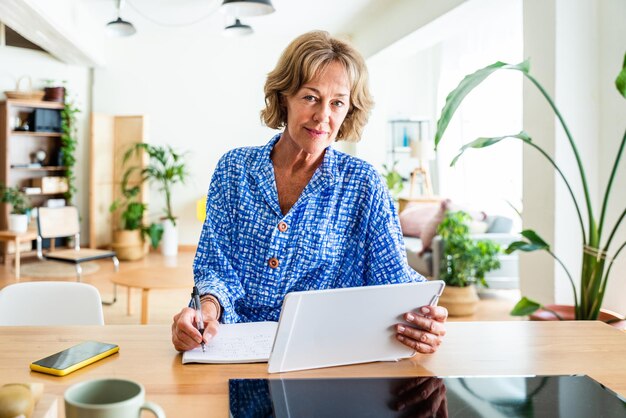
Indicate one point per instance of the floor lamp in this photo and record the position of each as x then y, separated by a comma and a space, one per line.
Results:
422, 152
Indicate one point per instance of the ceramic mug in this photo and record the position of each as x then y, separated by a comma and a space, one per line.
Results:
108, 398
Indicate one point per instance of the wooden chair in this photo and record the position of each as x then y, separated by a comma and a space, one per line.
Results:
63, 222
50, 303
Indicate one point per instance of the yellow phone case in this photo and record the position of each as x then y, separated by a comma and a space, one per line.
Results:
75, 366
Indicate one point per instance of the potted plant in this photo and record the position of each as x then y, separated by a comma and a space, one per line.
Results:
596, 260
464, 264
395, 182
128, 240
165, 168
53, 91
69, 142
20, 207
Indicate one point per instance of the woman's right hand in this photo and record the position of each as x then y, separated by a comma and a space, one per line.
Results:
185, 334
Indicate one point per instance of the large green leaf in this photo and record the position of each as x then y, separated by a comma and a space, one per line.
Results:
485, 142
620, 81
466, 85
533, 237
525, 307
534, 243
155, 233
522, 246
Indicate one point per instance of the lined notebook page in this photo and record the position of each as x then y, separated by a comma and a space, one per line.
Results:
249, 342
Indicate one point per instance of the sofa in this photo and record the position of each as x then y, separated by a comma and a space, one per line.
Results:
428, 261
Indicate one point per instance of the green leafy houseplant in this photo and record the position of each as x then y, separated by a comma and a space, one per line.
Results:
395, 182
20, 204
465, 261
596, 267
69, 141
131, 217
165, 168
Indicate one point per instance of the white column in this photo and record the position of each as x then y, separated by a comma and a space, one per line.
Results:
537, 271
576, 49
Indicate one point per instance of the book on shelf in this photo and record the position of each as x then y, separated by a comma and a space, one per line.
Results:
26, 165
31, 190
55, 203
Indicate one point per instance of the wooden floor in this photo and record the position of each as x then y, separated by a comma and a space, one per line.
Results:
494, 305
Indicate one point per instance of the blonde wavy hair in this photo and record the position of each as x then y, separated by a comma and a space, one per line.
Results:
304, 58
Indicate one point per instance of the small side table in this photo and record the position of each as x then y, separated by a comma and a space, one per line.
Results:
17, 238
148, 279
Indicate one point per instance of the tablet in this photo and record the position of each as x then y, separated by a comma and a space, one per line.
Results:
322, 328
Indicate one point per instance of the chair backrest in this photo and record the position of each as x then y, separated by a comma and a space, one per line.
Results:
57, 222
50, 303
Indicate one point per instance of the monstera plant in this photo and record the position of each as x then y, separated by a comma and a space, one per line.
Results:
599, 251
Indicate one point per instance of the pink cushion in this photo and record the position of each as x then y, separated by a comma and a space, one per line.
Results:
421, 220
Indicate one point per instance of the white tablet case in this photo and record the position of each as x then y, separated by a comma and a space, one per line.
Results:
323, 328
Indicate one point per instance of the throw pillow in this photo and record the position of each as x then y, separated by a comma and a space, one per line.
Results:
421, 220
477, 227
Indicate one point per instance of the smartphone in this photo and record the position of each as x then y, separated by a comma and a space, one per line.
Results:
73, 358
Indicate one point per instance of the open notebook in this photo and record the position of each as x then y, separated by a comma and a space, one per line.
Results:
323, 328
248, 342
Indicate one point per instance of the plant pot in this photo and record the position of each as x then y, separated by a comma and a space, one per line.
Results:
54, 94
460, 301
18, 223
567, 313
169, 242
129, 245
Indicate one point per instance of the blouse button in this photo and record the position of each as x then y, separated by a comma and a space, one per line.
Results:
273, 262
282, 226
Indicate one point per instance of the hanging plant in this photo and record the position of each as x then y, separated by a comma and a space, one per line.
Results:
68, 144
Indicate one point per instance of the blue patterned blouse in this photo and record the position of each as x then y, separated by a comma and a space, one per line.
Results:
342, 232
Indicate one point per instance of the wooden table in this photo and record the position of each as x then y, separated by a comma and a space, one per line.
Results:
17, 238
403, 202
470, 348
148, 279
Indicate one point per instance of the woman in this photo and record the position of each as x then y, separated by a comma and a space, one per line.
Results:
297, 215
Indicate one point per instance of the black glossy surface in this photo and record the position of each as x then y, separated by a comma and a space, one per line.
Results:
467, 397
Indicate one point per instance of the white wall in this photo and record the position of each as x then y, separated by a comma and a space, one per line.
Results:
202, 95
412, 79
17, 62
403, 87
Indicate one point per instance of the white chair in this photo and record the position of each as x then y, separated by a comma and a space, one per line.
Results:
63, 222
50, 303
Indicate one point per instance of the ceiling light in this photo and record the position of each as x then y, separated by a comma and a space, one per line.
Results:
245, 8
237, 29
120, 28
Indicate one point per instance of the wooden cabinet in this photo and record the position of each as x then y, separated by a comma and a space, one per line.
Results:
30, 151
110, 137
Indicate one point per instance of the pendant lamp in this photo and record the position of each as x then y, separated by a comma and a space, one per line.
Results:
237, 29
245, 8
119, 27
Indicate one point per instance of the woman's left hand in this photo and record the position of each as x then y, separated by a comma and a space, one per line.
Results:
425, 329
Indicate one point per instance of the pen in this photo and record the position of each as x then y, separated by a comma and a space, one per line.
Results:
195, 297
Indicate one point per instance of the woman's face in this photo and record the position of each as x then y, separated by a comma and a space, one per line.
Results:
316, 111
